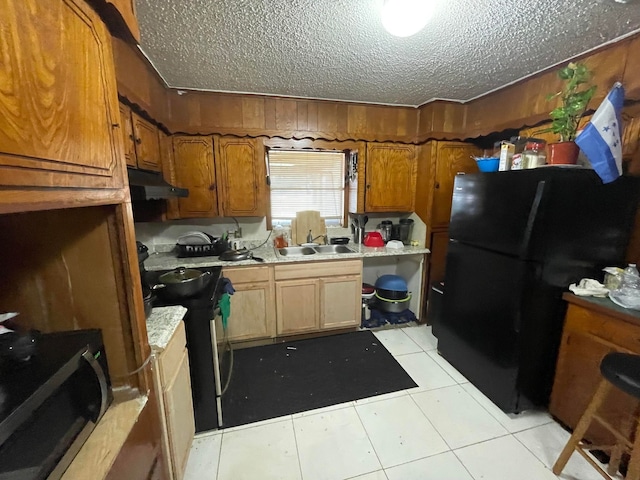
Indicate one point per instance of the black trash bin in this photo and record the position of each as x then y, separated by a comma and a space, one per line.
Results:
434, 307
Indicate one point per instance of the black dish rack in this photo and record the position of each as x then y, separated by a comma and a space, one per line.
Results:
206, 250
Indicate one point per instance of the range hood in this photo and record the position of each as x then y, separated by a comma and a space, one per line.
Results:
151, 186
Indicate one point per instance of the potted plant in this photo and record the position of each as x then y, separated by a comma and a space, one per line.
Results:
574, 99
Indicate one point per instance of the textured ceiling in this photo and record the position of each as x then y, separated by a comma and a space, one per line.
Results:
338, 49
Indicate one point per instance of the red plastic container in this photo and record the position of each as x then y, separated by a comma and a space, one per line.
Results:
373, 239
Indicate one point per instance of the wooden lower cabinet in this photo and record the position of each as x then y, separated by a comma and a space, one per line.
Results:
297, 305
319, 296
341, 301
592, 329
252, 305
176, 406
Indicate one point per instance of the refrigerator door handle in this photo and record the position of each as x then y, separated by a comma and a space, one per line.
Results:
533, 214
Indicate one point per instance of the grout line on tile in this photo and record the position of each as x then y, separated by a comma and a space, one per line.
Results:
219, 457
373, 447
430, 422
295, 439
463, 465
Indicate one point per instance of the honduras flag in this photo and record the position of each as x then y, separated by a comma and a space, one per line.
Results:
601, 139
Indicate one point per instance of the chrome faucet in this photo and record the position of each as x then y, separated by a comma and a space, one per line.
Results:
311, 238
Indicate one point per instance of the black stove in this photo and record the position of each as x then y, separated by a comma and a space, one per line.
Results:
201, 310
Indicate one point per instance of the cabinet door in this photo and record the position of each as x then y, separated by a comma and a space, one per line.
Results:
179, 414
58, 101
168, 172
127, 136
193, 160
297, 306
240, 168
341, 302
252, 315
587, 337
451, 158
147, 146
391, 177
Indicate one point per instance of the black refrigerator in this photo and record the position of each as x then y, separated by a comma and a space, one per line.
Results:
517, 240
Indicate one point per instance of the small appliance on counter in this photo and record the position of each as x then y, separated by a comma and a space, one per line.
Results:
357, 226
50, 403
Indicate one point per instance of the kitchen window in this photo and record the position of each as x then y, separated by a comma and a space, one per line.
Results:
307, 180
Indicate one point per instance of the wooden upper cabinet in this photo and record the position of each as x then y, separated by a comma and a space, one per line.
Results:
241, 176
59, 122
127, 136
194, 169
451, 158
390, 177
127, 12
141, 141
146, 142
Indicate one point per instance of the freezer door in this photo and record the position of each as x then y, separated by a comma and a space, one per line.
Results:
479, 329
495, 210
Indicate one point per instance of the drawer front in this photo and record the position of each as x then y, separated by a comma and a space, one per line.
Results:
624, 335
319, 269
171, 356
247, 274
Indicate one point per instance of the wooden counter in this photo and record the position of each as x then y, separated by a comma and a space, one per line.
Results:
593, 328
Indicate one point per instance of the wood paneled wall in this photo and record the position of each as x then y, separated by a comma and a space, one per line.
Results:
252, 115
519, 105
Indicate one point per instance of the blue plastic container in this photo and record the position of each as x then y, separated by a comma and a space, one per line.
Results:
392, 282
488, 164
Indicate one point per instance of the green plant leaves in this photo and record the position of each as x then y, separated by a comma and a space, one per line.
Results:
574, 100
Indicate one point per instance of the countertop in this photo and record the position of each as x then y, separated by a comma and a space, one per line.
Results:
161, 324
605, 306
166, 261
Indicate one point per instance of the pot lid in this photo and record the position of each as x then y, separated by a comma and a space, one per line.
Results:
180, 275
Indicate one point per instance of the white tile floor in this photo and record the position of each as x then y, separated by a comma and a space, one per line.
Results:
445, 429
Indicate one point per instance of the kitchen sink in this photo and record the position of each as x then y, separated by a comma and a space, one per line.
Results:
325, 249
296, 251
321, 249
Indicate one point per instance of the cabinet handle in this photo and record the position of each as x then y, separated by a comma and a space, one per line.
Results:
138, 141
212, 187
437, 185
131, 137
369, 186
115, 125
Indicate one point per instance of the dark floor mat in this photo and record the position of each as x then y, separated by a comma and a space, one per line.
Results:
286, 378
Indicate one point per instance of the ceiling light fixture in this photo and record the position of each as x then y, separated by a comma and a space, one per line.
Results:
404, 18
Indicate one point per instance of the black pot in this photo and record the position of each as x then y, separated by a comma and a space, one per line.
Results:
392, 294
181, 283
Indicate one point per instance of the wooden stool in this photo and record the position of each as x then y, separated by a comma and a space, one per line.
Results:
623, 371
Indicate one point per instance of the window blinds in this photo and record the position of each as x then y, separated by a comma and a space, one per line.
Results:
302, 180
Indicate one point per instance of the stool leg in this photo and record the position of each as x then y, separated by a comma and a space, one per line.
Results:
626, 429
633, 471
582, 426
